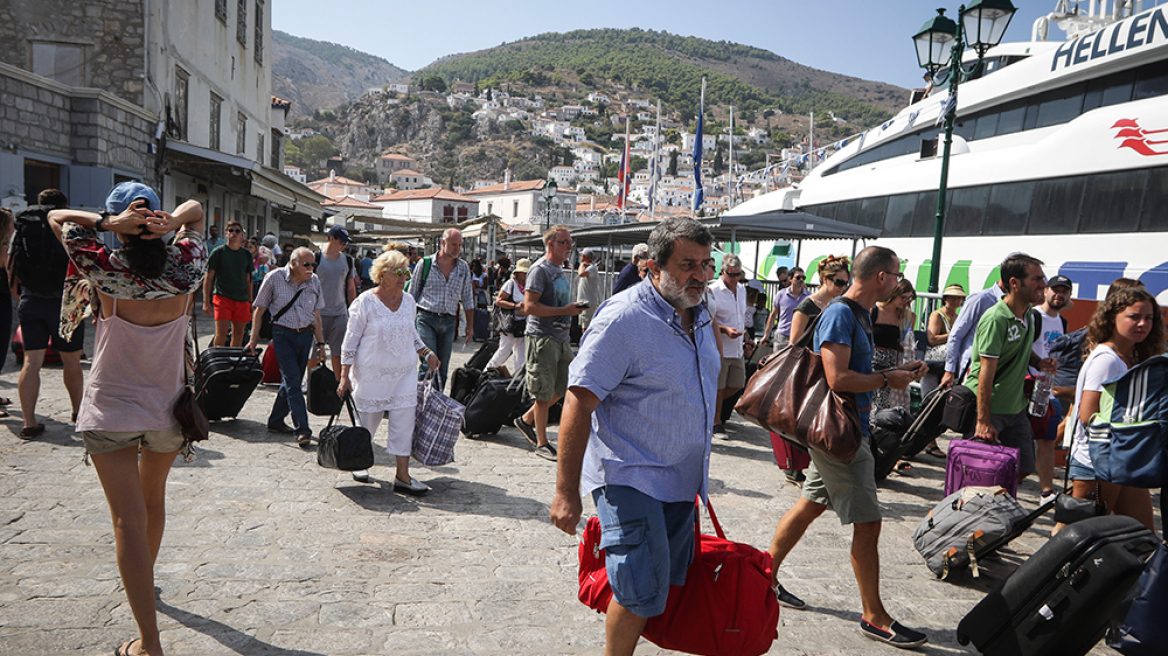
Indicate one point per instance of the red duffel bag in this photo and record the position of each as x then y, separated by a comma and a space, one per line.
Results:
726, 607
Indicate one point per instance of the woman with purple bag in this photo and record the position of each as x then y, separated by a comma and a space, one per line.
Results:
379, 363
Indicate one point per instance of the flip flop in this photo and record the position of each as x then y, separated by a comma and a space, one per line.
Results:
29, 432
124, 648
4, 400
936, 452
903, 465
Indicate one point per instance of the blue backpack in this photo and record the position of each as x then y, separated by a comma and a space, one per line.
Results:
1128, 437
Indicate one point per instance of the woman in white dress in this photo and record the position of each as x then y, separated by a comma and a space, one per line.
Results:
379, 363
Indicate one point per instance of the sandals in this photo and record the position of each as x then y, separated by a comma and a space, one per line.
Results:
903, 465
935, 451
29, 432
4, 400
124, 648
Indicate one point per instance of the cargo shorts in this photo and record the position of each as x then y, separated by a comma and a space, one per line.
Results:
547, 367
848, 488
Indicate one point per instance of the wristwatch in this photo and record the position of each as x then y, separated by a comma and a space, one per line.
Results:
885, 374
100, 220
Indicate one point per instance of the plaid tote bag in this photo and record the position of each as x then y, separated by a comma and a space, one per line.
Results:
437, 421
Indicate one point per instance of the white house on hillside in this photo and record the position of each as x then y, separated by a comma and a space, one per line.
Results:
427, 206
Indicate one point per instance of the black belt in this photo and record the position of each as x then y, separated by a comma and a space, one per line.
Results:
437, 314
298, 330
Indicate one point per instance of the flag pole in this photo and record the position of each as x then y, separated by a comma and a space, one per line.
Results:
699, 193
655, 169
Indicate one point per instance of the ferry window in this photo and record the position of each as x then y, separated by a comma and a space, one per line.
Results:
925, 215
963, 128
987, 126
1111, 201
1110, 90
1031, 119
826, 210
872, 212
1008, 208
898, 220
967, 208
849, 211
1054, 209
1153, 218
1153, 81
1060, 105
1011, 116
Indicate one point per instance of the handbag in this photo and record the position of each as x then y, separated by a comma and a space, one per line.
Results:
960, 413
1068, 509
348, 448
502, 320
188, 409
789, 395
437, 420
727, 606
1144, 632
322, 399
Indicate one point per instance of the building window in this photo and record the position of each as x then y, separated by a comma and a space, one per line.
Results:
490, 208
60, 62
462, 212
515, 210
216, 120
448, 214
277, 150
182, 84
260, 148
241, 23
221, 10
240, 134
259, 32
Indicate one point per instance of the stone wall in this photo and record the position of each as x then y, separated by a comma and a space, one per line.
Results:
111, 32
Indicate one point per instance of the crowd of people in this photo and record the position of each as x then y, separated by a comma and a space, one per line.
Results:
642, 397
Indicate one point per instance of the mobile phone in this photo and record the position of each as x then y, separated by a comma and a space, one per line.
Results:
583, 304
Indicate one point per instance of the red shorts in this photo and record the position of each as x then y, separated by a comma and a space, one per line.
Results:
229, 310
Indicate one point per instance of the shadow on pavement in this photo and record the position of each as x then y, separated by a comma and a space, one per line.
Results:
450, 494
237, 641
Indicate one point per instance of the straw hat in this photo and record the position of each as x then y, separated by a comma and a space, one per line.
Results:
522, 265
953, 290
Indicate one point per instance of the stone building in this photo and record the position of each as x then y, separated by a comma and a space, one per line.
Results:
175, 94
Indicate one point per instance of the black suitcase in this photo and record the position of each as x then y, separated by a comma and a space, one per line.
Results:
227, 378
322, 399
927, 424
482, 325
494, 403
482, 356
886, 438
463, 382
1059, 602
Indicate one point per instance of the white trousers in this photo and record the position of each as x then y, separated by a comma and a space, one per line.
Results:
400, 432
507, 344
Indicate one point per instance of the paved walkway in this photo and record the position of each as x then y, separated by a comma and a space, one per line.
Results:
267, 554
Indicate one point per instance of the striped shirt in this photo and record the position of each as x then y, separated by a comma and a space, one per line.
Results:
278, 290
441, 295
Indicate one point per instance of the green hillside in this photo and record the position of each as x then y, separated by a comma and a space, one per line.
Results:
661, 64
332, 53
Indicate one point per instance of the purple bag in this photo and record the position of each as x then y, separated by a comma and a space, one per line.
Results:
982, 464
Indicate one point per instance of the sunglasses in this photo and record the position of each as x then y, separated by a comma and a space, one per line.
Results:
899, 276
839, 283
800, 277
310, 264
401, 273
231, 230
566, 242
736, 274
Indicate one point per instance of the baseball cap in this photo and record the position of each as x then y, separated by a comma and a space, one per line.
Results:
587, 252
1060, 281
123, 195
337, 232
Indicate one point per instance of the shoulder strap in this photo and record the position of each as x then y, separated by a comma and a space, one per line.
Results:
425, 264
287, 307
1064, 321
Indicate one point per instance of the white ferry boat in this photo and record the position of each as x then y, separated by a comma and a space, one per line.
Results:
1060, 150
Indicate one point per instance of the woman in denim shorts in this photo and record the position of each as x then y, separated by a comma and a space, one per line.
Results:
142, 299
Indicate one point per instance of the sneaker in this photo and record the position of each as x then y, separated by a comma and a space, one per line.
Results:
414, 486
720, 432
528, 431
795, 477
304, 440
547, 452
787, 599
901, 637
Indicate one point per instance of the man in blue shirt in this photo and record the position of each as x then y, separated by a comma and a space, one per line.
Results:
843, 339
636, 425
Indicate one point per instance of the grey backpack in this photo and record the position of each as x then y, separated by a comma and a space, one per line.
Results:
960, 528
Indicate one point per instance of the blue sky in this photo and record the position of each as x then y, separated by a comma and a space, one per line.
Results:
870, 39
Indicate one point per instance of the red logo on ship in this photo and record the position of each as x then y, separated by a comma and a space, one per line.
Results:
1144, 142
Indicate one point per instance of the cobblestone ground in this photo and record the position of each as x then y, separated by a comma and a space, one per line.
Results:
265, 553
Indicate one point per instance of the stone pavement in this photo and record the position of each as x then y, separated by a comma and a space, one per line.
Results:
267, 554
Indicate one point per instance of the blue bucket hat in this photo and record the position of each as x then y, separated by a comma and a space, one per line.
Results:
126, 193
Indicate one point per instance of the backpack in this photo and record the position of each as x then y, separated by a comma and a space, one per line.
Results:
1128, 437
39, 259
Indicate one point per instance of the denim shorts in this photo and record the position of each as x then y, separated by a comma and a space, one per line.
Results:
1080, 472
648, 545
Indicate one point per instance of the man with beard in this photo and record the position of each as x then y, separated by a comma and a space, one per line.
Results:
648, 371
1053, 326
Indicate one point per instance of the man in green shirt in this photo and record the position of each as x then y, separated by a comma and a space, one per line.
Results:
1001, 355
229, 281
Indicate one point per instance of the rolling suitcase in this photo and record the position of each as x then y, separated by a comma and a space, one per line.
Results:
927, 424
482, 325
493, 404
228, 377
322, 399
482, 356
886, 439
1059, 602
271, 367
970, 462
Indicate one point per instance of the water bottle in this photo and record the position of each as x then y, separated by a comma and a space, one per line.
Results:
1041, 397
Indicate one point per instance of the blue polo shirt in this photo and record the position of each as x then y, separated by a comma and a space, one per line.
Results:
657, 391
838, 325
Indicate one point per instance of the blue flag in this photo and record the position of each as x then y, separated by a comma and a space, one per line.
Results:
699, 193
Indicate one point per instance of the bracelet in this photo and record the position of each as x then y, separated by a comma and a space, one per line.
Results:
885, 374
322, 343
